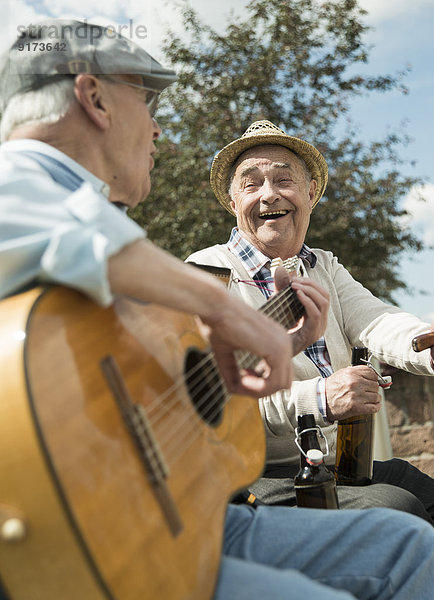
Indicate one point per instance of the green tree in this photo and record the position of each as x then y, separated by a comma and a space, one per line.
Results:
295, 63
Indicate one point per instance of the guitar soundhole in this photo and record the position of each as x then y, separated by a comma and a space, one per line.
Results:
204, 385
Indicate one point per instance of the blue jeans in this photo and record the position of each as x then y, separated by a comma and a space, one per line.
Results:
281, 553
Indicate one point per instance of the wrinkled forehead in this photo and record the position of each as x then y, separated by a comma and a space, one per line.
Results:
266, 155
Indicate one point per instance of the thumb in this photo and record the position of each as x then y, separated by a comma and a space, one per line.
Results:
281, 279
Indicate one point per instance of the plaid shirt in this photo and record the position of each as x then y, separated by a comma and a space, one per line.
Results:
258, 267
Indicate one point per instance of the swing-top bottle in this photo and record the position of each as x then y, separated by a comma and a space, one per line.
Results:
315, 485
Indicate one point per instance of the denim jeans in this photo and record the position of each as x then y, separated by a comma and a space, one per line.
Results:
280, 553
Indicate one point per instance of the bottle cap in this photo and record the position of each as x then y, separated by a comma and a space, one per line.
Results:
314, 456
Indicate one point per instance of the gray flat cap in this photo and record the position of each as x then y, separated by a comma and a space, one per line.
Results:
51, 49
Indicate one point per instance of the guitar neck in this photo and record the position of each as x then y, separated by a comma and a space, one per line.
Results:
284, 308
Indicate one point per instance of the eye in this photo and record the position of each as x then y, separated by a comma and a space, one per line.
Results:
250, 185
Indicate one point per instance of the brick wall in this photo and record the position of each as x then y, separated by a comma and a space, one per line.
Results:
410, 411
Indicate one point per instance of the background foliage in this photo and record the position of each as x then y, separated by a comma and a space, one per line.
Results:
295, 63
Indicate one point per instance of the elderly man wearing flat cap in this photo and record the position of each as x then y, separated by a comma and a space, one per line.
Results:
270, 182
79, 136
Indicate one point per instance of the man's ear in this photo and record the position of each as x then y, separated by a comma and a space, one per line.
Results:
312, 189
91, 96
233, 207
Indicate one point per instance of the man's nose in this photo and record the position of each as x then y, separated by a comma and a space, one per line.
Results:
269, 193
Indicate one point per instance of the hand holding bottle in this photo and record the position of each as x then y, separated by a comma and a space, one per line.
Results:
352, 391
355, 436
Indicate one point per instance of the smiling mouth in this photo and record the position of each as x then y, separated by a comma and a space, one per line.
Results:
275, 214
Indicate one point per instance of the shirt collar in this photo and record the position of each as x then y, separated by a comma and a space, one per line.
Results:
307, 253
254, 260
23, 145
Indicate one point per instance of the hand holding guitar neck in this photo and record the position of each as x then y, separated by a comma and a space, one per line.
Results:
424, 341
313, 301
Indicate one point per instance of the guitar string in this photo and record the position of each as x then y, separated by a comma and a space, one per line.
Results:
199, 366
208, 364
296, 312
212, 390
184, 438
200, 370
179, 441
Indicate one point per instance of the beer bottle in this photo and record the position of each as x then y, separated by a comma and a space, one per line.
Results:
355, 439
315, 485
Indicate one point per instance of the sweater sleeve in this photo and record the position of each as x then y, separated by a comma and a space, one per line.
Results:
386, 330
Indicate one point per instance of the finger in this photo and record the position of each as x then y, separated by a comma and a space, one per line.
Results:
228, 370
276, 374
372, 396
261, 370
371, 409
257, 387
311, 305
251, 385
368, 397
316, 307
364, 372
269, 375
311, 288
281, 279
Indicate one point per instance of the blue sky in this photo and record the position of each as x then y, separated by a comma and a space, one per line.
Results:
401, 36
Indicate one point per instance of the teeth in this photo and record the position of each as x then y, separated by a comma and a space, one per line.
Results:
273, 213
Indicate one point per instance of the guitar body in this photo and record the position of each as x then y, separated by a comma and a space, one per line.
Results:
97, 526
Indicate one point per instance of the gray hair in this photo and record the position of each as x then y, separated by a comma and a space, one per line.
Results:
307, 173
47, 104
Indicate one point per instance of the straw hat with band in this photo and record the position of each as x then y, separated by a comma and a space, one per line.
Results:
259, 133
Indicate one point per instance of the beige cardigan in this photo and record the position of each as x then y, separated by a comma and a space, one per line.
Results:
356, 317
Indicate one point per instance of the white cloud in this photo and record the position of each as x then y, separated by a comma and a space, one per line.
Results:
155, 16
110, 12
386, 10
83, 7
13, 14
158, 15
422, 213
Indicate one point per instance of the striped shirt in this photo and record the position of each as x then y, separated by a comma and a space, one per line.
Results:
257, 265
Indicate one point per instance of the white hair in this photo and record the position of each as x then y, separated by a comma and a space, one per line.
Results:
46, 104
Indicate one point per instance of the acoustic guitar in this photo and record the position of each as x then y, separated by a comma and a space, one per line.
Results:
119, 448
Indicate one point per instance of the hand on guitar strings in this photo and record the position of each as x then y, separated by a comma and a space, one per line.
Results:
238, 327
316, 302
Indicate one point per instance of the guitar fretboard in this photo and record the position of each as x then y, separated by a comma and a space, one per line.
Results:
284, 308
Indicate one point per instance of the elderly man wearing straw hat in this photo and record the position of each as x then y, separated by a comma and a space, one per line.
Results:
270, 182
